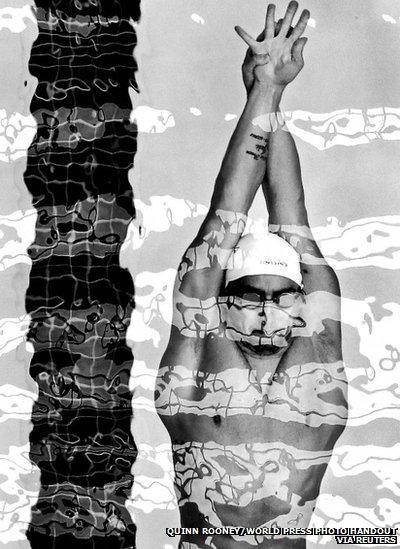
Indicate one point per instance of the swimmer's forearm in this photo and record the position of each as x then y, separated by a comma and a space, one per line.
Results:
282, 185
244, 164
283, 190
202, 268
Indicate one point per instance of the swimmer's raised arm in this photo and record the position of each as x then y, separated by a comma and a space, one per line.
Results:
276, 62
283, 187
288, 217
201, 271
284, 194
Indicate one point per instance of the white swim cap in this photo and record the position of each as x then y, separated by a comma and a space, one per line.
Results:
263, 253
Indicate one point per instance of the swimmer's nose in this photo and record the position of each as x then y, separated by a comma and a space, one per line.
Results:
270, 326
268, 313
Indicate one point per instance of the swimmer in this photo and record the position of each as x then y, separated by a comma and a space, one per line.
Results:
252, 387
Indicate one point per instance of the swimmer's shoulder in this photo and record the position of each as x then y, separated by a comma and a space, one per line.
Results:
182, 349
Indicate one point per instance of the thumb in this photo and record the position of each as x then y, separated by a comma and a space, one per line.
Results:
297, 50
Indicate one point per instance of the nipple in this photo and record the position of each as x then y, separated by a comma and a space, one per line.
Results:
217, 419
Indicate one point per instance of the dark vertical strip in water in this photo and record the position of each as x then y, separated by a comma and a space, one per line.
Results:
80, 299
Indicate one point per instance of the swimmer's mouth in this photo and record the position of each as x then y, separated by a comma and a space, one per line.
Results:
260, 350
262, 346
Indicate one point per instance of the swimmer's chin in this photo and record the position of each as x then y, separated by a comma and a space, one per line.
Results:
260, 351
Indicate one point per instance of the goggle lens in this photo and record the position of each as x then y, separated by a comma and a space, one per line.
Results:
284, 300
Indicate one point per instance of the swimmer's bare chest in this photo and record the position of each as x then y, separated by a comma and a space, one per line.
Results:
251, 384
237, 394
219, 395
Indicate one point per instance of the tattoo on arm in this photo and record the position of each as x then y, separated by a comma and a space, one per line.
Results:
259, 137
261, 149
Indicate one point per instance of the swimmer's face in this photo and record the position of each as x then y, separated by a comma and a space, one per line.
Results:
262, 311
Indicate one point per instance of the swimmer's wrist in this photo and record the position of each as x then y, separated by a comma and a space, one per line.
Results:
268, 89
266, 96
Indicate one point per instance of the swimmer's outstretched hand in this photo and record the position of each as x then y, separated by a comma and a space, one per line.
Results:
276, 57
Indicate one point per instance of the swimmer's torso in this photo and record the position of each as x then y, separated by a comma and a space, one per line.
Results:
248, 451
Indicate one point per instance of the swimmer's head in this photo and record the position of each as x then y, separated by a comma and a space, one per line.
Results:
264, 289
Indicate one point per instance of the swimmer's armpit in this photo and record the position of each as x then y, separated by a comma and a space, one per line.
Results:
319, 307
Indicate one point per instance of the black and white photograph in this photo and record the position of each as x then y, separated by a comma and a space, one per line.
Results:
199, 263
